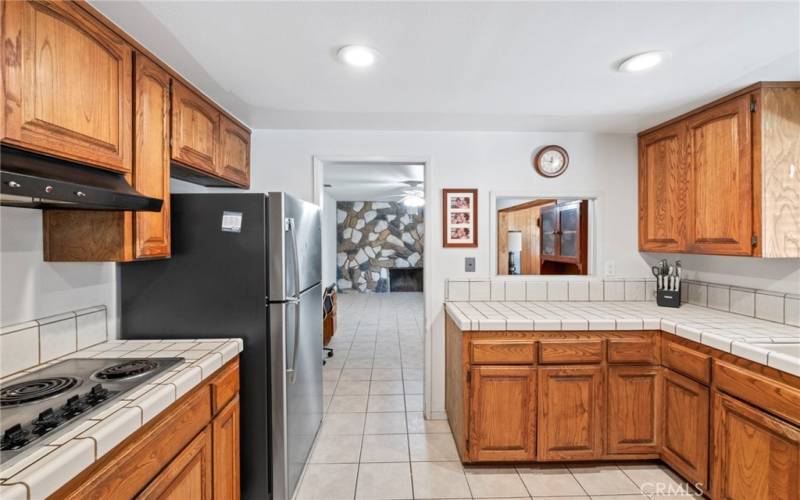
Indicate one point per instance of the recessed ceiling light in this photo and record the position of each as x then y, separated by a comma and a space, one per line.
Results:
358, 55
643, 61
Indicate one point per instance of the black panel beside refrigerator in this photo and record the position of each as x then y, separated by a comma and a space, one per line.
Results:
245, 265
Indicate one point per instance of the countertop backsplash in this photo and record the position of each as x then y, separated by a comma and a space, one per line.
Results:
32, 343
762, 304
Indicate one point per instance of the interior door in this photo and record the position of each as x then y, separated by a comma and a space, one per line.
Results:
721, 179
296, 369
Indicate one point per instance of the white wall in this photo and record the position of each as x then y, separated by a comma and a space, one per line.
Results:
328, 240
32, 288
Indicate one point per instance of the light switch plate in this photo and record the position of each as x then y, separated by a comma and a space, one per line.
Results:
469, 264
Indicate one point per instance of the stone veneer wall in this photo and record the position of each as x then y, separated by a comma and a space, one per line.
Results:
372, 237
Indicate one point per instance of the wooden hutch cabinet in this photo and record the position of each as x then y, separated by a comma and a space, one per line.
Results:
564, 238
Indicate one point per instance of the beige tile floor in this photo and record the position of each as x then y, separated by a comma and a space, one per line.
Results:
374, 443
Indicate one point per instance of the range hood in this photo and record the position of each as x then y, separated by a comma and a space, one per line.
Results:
31, 180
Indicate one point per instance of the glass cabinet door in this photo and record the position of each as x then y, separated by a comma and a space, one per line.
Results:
549, 227
569, 227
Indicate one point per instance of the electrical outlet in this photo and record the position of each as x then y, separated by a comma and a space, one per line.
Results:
611, 268
469, 264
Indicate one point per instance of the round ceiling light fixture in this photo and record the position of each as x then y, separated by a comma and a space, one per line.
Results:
359, 56
643, 61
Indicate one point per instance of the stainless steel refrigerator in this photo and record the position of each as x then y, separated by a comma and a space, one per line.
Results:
245, 265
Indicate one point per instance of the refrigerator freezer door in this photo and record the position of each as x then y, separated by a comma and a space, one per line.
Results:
290, 217
296, 369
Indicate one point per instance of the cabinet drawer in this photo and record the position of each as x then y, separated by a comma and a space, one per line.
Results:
687, 361
570, 351
634, 351
493, 352
777, 398
225, 385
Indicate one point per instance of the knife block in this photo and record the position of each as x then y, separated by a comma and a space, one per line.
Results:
668, 298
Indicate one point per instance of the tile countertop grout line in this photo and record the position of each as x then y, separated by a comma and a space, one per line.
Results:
691, 322
19, 476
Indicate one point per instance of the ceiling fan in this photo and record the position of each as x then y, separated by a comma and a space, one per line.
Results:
413, 197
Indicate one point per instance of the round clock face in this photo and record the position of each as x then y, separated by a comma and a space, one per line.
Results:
551, 161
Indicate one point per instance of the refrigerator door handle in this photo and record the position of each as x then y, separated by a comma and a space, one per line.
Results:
295, 300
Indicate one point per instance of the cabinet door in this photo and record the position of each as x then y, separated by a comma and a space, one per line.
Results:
195, 130
570, 413
226, 452
756, 456
720, 149
569, 217
502, 413
686, 427
663, 189
151, 168
549, 221
187, 476
634, 409
66, 84
234, 163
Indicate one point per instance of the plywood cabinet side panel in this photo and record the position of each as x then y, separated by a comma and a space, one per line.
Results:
87, 236
455, 385
780, 171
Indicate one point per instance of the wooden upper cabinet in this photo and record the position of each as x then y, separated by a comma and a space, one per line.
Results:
502, 413
721, 191
151, 166
571, 413
663, 189
755, 455
634, 409
195, 130
234, 161
685, 441
720, 180
66, 84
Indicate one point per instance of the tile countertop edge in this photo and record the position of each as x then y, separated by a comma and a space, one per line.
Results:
50, 465
715, 338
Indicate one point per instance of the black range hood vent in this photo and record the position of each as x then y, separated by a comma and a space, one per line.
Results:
31, 180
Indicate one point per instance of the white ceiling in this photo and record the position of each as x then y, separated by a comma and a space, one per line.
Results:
466, 65
369, 181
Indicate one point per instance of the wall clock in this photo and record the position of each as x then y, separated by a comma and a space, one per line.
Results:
551, 161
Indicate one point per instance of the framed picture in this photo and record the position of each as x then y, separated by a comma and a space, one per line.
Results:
460, 221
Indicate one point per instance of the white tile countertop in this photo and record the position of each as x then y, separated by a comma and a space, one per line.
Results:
772, 344
49, 465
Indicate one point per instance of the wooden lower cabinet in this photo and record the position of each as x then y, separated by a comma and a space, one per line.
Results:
756, 456
634, 409
187, 476
503, 413
189, 451
686, 425
571, 406
226, 452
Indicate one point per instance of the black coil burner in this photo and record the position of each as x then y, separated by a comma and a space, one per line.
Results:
35, 390
128, 369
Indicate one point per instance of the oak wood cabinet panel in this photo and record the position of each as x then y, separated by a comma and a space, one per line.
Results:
67, 85
685, 421
634, 409
735, 182
187, 476
569, 351
92, 236
502, 413
234, 163
663, 190
755, 455
195, 130
721, 188
571, 413
226, 452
